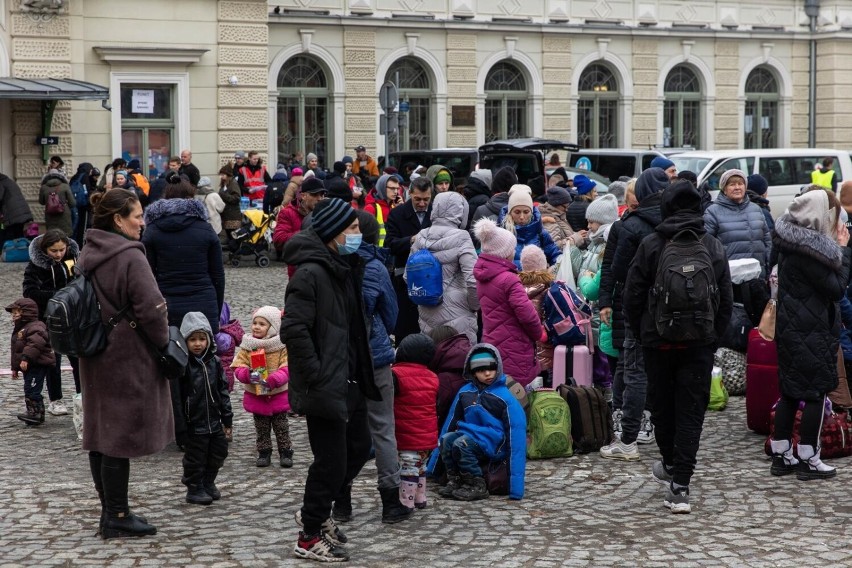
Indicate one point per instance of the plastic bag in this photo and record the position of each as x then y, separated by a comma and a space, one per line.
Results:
718, 393
565, 272
77, 415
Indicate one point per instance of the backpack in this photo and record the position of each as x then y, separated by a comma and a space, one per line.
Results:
81, 194
684, 297
276, 190
567, 318
425, 278
591, 424
73, 318
54, 205
519, 392
548, 426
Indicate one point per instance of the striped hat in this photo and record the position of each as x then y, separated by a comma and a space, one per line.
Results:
330, 217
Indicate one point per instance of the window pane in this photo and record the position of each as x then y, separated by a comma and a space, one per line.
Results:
288, 130
744, 164
505, 77
597, 78
516, 117
315, 128
418, 124
159, 150
751, 140
154, 101
761, 80
412, 75
691, 124
585, 121
131, 144
492, 120
778, 171
607, 134
670, 124
681, 79
803, 167
769, 124
301, 72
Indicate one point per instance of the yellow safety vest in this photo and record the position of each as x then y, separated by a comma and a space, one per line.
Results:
823, 178
381, 219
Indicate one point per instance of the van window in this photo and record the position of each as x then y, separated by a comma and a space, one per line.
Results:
646, 161
696, 165
780, 171
804, 166
611, 166
744, 164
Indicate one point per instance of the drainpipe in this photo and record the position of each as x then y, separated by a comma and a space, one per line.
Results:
812, 12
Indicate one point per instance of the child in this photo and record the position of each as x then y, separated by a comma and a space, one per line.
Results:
207, 411
271, 406
31, 355
537, 279
486, 424
230, 335
416, 388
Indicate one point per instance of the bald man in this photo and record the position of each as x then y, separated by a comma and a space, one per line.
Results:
187, 168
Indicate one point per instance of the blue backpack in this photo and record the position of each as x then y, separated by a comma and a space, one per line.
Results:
567, 318
81, 195
425, 278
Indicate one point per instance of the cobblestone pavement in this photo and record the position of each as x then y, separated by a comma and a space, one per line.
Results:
580, 511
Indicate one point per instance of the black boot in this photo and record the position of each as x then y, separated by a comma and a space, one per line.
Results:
120, 522
39, 409
342, 509
286, 458
473, 489
30, 417
454, 482
264, 458
197, 495
95, 467
209, 485
393, 511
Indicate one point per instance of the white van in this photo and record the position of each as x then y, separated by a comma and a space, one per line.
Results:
786, 169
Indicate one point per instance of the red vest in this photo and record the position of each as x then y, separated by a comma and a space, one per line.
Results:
254, 179
415, 407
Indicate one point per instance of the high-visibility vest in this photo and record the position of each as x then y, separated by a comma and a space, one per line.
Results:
823, 178
254, 179
380, 217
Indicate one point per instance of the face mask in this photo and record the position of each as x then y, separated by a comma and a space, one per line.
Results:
350, 245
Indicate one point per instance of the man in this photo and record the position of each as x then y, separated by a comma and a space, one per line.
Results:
158, 187
290, 217
239, 161
666, 165
253, 177
380, 202
824, 177
403, 224
364, 163
331, 369
187, 168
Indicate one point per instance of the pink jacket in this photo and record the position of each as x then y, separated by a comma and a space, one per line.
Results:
265, 405
509, 319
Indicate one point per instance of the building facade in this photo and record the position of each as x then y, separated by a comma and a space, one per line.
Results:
303, 75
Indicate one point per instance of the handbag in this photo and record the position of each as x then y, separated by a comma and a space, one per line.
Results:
766, 328
171, 359
54, 206
496, 474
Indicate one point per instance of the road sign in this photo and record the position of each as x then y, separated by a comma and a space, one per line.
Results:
388, 123
388, 96
404, 106
583, 164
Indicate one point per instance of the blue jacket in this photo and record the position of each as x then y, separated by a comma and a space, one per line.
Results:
533, 233
379, 303
494, 418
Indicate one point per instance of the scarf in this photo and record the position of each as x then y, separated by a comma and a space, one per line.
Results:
269, 344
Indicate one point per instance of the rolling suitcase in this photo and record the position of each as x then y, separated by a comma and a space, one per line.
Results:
573, 362
761, 382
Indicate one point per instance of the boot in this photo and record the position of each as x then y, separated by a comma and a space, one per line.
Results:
420, 494
209, 484
454, 482
39, 408
31, 416
392, 510
473, 489
286, 458
119, 521
783, 460
95, 467
197, 495
342, 509
264, 458
810, 466
407, 491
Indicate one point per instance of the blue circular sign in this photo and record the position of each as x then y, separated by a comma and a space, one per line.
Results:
583, 164
404, 106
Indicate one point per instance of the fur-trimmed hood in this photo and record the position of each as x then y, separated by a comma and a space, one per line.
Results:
172, 215
40, 258
790, 237
55, 176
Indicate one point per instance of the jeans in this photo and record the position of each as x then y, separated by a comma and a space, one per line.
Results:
204, 455
381, 421
680, 390
461, 453
54, 377
635, 387
34, 381
617, 363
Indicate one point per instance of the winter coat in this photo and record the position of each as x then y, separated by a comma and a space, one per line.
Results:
43, 277
846, 329
763, 203
372, 201
158, 188
134, 419
536, 284
371, 167
190, 171
448, 364
14, 209
556, 224
813, 272
327, 346
415, 419
509, 319
277, 401
59, 184
742, 229
532, 233
494, 419
379, 304
292, 188
231, 215
234, 329
453, 248
212, 201
492, 208
402, 223
30, 341
576, 214
477, 193
287, 224
205, 403
186, 257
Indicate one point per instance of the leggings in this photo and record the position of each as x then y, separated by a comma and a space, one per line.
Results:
811, 426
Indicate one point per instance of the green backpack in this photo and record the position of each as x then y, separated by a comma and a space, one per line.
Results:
718, 392
548, 426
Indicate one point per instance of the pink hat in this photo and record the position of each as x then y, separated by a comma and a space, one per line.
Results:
495, 240
532, 258
297, 171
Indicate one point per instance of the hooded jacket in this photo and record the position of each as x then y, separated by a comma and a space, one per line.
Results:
205, 403
532, 233
434, 170
453, 248
186, 257
13, 207
477, 191
763, 203
494, 419
448, 364
234, 330
58, 183
742, 229
321, 297
43, 277
491, 208
415, 391
813, 272
379, 303
212, 201
30, 341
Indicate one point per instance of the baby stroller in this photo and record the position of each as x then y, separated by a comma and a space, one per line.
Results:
253, 238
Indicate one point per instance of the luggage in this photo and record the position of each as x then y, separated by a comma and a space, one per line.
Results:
835, 439
733, 365
16, 250
548, 426
567, 318
572, 362
591, 419
761, 381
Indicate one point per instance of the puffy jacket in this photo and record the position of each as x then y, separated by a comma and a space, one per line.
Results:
509, 319
57, 183
43, 277
277, 401
576, 214
742, 229
477, 191
380, 305
415, 419
448, 364
234, 330
287, 224
532, 233
558, 226
13, 207
30, 341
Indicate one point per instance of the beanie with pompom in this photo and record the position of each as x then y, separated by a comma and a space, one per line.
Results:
495, 240
532, 259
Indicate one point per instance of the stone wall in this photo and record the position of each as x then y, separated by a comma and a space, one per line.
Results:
461, 86
728, 72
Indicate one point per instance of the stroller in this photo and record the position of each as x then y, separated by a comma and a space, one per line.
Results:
253, 238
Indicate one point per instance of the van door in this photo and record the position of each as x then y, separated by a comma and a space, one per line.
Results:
744, 163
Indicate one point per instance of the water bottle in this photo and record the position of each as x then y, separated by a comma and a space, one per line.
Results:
244, 204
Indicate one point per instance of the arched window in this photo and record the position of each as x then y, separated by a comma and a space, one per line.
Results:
597, 120
505, 103
761, 109
304, 114
682, 109
415, 88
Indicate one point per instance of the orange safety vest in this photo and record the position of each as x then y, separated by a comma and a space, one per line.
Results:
254, 179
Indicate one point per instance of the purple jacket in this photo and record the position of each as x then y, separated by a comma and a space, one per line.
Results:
448, 364
509, 319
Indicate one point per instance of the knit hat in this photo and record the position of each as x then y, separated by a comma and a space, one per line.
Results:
558, 196
369, 227
281, 175
482, 361
603, 210
502, 180
309, 174
661, 162
121, 172
495, 240
239, 154
313, 185
688, 176
520, 196
337, 187
205, 182
537, 187
416, 348
339, 167
272, 315
649, 182
310, 157
728, 174
532, 258
757, 183
442, 177
583, 184
347, 160
227, 170
297, 171
134, 164
330, 217
442, 333
618, 189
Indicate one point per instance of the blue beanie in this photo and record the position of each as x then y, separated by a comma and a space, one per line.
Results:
757, 183
661, 162
583, 185
482, 360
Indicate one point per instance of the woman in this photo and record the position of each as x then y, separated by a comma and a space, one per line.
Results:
554, 220
107, 182
523, 219
229, 191
453, 248
56, 182
212, 201
133, 419
586, 193
813, 270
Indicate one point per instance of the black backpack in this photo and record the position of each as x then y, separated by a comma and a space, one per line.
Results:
684, 297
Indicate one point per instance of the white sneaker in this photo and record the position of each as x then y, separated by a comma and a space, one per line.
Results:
618, 450
646, 429
56, 408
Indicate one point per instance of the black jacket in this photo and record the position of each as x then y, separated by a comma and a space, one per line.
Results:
205, 402
158, 188
576, 214
190, 171
14, 208
763, 203
813, 272
43, 277
401, 225
477, 194
319, 324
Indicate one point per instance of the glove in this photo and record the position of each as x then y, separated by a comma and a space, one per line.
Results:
254, 377
544, 337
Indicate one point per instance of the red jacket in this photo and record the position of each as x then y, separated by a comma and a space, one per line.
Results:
370, 204
414, 409
288, 223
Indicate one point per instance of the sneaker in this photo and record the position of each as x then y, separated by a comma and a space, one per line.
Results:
646, 429
616, 423
660, 473
56, 408
618, 450
320, 548
677, 500
329, 528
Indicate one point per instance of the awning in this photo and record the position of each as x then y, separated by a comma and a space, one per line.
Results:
51, 90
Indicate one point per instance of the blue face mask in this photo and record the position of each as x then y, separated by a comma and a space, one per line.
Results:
350, 245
